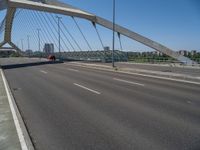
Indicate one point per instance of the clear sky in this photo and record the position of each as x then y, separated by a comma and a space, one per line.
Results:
174, 23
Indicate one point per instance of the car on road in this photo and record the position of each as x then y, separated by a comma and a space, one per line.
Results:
51, 57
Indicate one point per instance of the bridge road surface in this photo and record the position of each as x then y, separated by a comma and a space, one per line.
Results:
67, 107
186, 70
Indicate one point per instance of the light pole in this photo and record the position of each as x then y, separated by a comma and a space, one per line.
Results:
59, 18
22, 44
38, 31
28, 36
113, 46
28, 41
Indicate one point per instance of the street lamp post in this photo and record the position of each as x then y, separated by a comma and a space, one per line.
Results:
59, 18
28, 37
38, 31
28, 41
113, 46
22, 44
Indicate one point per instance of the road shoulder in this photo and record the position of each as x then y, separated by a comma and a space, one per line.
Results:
146, 73
13, 131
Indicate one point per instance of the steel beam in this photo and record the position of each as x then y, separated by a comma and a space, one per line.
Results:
139, 38
51, 7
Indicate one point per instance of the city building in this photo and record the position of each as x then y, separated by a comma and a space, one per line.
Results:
29, 51
48, 48
157, 53
193, 52
183, 52
107, 48
6, 52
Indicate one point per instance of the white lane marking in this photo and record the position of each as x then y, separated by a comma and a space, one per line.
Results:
130, 82
73, 69
43, 71
16, 121
81, 86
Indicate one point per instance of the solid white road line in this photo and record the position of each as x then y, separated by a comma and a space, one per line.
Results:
43, 71
14, 114
73, 69
81, 86
130, 82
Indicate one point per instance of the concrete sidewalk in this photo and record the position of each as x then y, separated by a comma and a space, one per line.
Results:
13, 134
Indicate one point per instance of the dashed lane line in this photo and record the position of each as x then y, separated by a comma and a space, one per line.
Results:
43, 71
70, 69
86, 88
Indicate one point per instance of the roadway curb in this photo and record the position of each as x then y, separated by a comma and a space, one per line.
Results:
159, 75
28, 142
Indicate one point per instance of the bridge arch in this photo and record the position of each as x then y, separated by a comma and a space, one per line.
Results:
53, 6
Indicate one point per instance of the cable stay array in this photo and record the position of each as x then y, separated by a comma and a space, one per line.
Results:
32, 30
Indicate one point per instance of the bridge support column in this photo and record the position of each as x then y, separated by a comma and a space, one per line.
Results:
8, 29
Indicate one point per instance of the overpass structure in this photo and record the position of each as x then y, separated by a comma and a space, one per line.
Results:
53, 6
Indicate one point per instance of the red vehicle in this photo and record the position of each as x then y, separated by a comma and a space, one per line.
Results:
51, 57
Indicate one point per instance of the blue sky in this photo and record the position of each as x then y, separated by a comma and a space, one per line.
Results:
174, 23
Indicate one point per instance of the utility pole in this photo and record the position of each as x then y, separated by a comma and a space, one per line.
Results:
28, 41
22, 44
28, 36
59, 18
38, 31
113, 46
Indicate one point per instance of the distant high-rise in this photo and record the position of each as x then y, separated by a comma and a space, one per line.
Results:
107, 48
48, 48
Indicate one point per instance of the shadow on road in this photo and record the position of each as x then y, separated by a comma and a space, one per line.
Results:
12, 66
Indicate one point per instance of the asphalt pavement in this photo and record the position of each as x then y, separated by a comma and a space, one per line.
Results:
68, 107
165, 68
